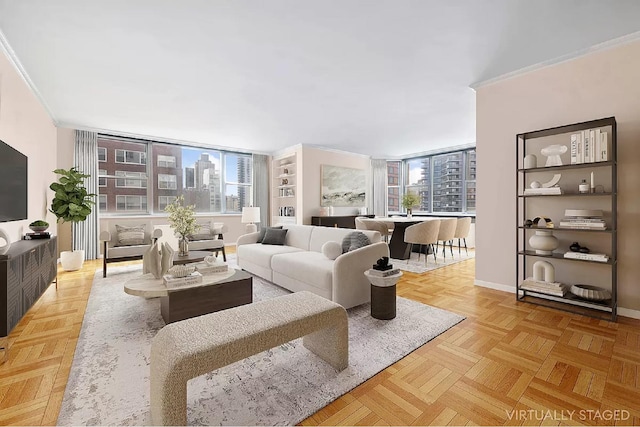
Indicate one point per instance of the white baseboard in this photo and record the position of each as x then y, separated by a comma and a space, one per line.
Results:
625, 312
496, 286
629, 312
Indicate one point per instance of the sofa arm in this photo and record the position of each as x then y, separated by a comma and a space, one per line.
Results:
105, 236
350, 285
247, 239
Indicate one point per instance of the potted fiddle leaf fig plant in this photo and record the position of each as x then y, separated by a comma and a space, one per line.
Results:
71, 203
409, 201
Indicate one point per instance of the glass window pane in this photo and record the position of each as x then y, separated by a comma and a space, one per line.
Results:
102, 154
447, 182
418, 181
202, 185
237, 197
393, 189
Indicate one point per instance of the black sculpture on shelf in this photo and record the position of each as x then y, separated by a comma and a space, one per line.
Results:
575, 247
383, 264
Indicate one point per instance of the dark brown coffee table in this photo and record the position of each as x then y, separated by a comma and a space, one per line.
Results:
184, 303
193, 256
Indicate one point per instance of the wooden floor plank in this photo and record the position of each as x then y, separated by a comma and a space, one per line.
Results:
505, 356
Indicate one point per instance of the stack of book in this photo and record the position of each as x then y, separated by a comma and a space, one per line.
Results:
587, 257
542, 190
176, 282
384, 273
548, 288
217, 267
38, 235
590, 223
589, 146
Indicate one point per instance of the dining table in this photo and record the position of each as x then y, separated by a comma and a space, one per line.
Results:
398, 248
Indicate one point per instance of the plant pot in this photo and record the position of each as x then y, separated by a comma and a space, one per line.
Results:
72, 260
38, 228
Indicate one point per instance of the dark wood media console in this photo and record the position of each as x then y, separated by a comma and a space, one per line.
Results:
344, 221
26, 271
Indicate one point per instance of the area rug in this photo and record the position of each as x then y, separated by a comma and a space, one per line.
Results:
109, 379
418, 266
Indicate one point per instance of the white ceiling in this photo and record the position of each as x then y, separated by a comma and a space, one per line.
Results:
377, 77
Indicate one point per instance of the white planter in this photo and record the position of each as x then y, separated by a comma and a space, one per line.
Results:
72, 260
544, 242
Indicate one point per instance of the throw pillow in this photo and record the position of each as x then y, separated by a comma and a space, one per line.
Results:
167, 258
353, 241
274, 236
203, 233
332, 250
151, 261
263, 230
130, 235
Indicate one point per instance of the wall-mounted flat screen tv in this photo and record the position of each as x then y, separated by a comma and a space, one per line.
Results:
13, 184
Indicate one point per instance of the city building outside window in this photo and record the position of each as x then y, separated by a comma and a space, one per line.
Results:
131, 157
131, 203
393, 185
102, 154
164, 201
212, 180
102, 202
167, 182
131, 179
445, 182
102, 181
166, 161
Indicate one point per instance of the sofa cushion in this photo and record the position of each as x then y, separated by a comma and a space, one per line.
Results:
332, 250
263, 231
299, 236
354, 240
126, 251
260, 254
130, 235
305, 266
274, 237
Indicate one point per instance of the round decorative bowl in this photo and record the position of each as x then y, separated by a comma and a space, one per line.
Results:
181, 270
38, 228
592, 293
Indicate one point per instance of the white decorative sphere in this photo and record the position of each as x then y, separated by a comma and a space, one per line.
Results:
544, 242
535, 184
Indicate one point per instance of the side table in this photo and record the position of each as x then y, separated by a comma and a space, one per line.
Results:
383, 295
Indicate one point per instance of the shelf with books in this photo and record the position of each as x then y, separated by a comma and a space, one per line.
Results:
546, 155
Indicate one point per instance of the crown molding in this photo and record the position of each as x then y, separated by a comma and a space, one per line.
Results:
564, 58
154, 138
13, 59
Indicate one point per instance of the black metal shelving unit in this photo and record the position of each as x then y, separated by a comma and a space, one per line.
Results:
569, 302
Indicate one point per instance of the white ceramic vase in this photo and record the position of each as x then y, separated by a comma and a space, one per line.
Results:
544, 242
4, 236
72, 260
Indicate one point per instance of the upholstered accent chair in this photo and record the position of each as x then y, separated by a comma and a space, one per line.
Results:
462, 231
126, 240
446, 234
374, 225
423, 233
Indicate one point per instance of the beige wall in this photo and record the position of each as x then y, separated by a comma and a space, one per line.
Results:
601, 84
26, 126
66, 142
312, 161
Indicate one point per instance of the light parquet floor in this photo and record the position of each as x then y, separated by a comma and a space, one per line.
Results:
508, 363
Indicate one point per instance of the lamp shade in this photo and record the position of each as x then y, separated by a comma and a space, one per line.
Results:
250, 214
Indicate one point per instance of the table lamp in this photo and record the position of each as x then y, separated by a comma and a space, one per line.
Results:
250, 216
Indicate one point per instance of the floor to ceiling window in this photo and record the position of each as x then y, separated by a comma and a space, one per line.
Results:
444, 182
140, 177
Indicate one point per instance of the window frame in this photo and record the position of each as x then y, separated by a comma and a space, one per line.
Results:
142, 176
174, 181
105, 154
126, 196
142, 154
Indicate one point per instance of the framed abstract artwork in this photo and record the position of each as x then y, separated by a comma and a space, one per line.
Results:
343, 187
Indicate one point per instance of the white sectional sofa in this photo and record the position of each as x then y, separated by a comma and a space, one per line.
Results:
300, 265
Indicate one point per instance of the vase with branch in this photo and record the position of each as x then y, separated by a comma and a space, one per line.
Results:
183, 221
409, 201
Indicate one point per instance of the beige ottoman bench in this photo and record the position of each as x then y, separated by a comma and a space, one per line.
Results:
193, 347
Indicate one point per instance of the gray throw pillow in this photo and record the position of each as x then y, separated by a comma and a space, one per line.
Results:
263, 230
129, 236
354, 241
274, 236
